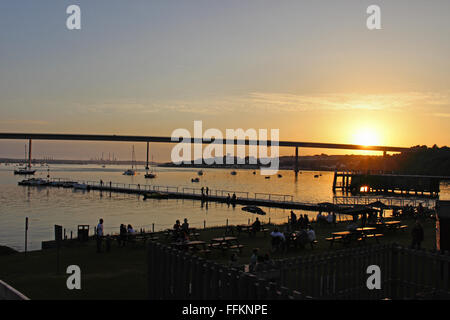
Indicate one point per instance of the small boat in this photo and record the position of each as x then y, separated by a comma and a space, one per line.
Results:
200, 173
233, 173
132, 171
150, 175
33, 182
267, 177
129, 172
279, 176
80, 186
254, 209
316, 176
24, 171
156, 195
195, 180
254, 172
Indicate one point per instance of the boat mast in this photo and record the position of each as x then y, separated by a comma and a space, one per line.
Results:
132, 158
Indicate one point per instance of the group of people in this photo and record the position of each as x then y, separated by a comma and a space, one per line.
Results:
125, 233
330, 218
257, 261
181, 231
301, 223
300, 237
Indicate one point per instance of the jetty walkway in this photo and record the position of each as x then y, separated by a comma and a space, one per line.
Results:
283, 201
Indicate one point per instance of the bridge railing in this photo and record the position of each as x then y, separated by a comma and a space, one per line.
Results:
274, 197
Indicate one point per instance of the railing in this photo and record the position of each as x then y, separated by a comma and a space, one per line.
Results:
404, 274
390, 201
184, 190
274, 197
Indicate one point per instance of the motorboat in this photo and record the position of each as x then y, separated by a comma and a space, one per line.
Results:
195, 180
200, 173
150, 175
233, 173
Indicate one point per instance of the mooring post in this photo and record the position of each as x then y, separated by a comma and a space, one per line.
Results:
296, 161
26, 234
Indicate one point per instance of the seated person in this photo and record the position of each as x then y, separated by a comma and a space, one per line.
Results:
311, 234
130, 229
278, 239
256, 226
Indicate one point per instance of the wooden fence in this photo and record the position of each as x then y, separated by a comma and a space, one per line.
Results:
405, 274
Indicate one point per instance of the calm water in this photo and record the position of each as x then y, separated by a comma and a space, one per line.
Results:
46, 207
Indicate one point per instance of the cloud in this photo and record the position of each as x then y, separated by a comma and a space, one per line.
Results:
427, 102
442, 115
24, 122
335, 101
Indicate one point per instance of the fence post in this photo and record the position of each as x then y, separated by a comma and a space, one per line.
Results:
394, 272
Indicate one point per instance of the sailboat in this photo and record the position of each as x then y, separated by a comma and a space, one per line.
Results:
150, 175
132, 171
27, 169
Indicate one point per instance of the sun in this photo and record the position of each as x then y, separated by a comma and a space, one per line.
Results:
366, 137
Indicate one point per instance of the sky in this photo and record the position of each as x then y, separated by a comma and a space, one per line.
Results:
311, 69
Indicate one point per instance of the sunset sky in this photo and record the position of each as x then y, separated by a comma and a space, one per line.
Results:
309, 68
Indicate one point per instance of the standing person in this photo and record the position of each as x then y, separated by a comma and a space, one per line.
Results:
256, 226
293, 218
207, 191
306, 220
99, 235
203, 191
253, 260
185, 228
300, 222
123, 235
417, 235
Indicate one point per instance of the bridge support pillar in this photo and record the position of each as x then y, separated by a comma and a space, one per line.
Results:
29, 153
148, 151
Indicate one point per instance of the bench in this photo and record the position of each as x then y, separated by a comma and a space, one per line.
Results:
332, 240
237, 246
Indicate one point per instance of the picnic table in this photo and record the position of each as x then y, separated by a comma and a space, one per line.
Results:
249, 229
226, 243
135, 237
391, 225
358, 235
194, 245
297, 239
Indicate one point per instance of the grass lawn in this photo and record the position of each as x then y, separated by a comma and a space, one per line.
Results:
121, 273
